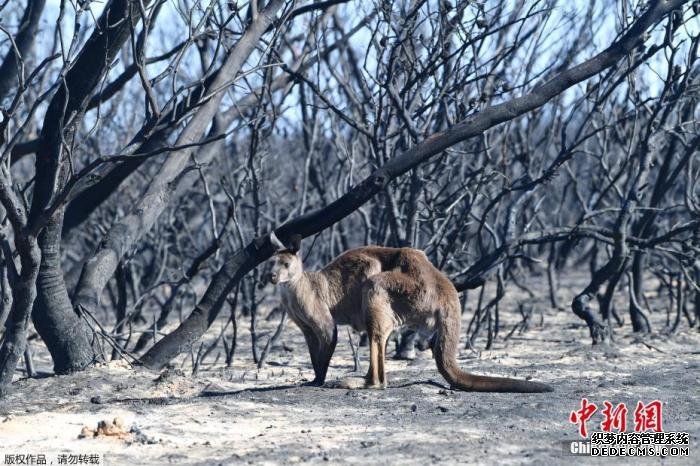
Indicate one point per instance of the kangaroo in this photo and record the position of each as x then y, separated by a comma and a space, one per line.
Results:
376, 289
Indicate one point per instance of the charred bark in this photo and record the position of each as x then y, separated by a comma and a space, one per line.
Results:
24, 40
65, 333
23, 294
640, 322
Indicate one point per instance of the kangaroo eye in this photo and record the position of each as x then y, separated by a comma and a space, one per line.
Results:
286, 265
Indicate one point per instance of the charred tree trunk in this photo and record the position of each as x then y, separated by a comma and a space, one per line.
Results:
12, 64
6, 291
23, 293
640, 323
581, 304
552, 279
122, 302
697, 294
607, 308
64, 332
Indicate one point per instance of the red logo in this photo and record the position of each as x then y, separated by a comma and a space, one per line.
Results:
581, 416
614, 418
646, 416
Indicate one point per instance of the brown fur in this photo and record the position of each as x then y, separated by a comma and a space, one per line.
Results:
377, 289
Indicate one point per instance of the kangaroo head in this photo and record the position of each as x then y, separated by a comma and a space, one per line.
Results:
286, 267
286, 263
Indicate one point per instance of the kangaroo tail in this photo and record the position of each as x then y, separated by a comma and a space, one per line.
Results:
445, 350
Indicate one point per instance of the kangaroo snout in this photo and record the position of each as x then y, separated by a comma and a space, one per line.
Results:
272, 278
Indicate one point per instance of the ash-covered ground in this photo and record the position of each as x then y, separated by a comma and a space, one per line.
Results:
244, 415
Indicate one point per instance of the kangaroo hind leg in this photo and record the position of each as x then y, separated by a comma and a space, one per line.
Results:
380, 323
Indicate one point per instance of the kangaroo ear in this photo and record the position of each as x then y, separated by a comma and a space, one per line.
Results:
295, 243
276, 243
